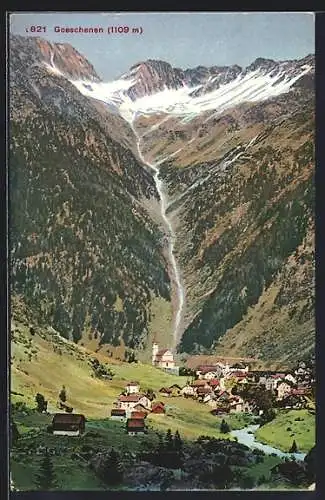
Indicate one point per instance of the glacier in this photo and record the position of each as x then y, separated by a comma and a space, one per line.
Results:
253, 86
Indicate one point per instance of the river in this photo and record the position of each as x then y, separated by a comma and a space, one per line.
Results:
247, 436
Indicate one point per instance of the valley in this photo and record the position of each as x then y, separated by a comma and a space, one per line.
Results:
171, 209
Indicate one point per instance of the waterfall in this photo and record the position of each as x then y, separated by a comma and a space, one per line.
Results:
171, 237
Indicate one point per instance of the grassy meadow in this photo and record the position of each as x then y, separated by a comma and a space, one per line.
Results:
286, 427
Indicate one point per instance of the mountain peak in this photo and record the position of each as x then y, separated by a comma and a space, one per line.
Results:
60, 57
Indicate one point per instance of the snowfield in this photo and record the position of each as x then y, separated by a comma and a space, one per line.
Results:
254, 86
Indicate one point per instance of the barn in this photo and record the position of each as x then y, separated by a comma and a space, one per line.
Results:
68, 424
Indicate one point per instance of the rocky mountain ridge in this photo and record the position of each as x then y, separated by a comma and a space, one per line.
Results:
153, 76
239, 190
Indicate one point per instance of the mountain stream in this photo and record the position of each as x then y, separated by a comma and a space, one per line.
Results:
171, 237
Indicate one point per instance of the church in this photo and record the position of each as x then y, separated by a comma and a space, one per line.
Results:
162, 358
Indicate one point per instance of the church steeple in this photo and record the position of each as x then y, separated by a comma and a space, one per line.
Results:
155, 349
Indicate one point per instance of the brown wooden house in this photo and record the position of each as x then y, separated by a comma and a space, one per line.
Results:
68, 424
118, 414
135, 426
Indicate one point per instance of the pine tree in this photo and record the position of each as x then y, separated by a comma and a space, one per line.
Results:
178, 443
294, 447
169, 440
45, 479
224, 427
63, 394
41, 403
14, 433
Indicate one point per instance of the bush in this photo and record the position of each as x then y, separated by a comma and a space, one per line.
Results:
41, 403
247, 482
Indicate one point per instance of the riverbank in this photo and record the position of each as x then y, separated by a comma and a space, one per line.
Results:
248, 437
289, 425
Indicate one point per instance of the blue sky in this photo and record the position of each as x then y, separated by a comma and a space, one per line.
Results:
183, 39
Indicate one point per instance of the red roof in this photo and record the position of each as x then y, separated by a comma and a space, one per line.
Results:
135, 423
214, 381
138, 414
161, 353
197, 383
298, 392
131, 398
209, 368
158, 406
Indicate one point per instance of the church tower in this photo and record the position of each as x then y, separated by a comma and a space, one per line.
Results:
155, 349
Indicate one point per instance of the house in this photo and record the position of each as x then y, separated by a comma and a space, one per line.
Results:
130, 401
238, 405
238, 367
162, 358
214, 383
290, 378
210, 371
118, 414
165, 391
135, 426
272, 382
68, 424
176, 390
202, 393
158, 407
132, 388
283, 388
207, 373
187, 391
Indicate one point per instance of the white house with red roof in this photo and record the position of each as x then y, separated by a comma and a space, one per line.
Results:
132, 388
131, 400
162, 358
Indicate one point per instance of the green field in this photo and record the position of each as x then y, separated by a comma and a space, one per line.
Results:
48, 370
37, 366
101, 435
276, 433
